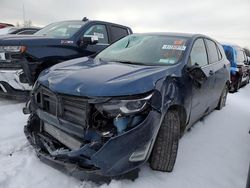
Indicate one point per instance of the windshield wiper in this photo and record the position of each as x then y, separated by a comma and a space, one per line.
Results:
127, 44
122, 61
130, 62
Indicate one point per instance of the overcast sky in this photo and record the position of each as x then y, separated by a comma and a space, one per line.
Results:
224, 20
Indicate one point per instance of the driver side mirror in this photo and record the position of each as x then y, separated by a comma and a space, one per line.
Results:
88, 40
197, 74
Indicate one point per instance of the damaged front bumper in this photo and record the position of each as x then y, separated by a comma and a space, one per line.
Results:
115, 157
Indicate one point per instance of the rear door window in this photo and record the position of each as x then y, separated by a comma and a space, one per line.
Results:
212, 51
198, 54
117, 33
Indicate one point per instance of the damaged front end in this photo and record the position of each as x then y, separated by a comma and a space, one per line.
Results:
92, 138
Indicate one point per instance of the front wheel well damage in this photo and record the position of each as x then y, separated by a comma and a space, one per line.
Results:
182, 114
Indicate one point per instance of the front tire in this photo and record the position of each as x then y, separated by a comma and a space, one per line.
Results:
165, 149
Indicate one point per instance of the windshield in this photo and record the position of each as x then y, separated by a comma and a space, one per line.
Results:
61, 29
145, 49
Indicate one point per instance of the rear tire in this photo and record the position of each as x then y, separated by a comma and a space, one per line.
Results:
237, 85
223, 98
248, 79
165, 149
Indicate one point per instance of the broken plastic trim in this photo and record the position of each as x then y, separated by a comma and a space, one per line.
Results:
141, 154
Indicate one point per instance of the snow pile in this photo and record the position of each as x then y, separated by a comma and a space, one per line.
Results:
215, 153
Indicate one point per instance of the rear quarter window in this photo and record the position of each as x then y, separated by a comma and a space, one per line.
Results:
219, 52
240, 56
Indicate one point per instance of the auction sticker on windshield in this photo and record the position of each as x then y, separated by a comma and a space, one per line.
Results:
2, 56
173, 47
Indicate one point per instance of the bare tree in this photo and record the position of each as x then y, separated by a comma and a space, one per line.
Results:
17, 24
27, 23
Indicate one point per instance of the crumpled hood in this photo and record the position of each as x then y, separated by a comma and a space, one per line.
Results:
28, 40
94, 78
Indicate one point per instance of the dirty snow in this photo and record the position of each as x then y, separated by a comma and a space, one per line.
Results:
214, 154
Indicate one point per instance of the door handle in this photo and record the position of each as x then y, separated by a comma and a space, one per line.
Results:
211, 72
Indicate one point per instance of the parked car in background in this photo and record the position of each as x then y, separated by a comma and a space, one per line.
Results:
239, 68
248, 178
25, 31
248, 65
7, 30
22, 58
3, 25
107, 116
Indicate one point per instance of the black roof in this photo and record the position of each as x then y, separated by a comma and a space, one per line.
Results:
87, 20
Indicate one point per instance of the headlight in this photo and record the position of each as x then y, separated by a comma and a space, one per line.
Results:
124, 106
12, 49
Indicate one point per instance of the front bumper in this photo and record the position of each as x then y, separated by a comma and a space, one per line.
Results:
12, 77
111, 160
11, 86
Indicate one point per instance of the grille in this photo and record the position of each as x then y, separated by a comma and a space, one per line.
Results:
69, 108
11, 59
75, 110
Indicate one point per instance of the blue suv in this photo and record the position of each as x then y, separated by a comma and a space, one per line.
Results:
239, 68
130, 104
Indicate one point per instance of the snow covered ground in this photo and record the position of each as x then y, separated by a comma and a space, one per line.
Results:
215, 154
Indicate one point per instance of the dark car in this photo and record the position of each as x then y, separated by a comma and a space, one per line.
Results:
239, 68
7, 30
23, 57
25, 31
3, 25
130, 104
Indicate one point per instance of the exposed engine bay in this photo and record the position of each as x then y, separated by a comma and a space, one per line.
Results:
63, 124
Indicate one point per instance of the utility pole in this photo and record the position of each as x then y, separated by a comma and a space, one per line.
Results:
23, 15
